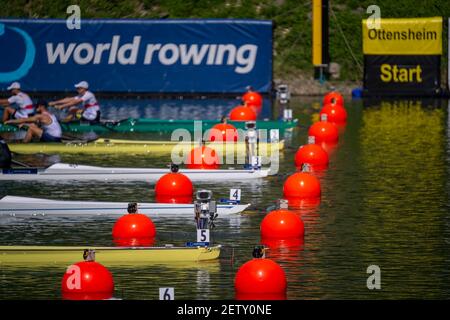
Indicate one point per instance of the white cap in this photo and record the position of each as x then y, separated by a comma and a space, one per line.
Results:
82, 84
14, 85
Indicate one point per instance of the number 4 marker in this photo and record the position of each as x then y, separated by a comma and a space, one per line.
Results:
235, 194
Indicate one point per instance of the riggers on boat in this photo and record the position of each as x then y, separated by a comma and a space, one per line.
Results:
23, 206
62, 172
13, 255
160, 125
115, 146
205, 210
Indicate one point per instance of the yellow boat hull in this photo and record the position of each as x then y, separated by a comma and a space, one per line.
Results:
114, 146
14, 255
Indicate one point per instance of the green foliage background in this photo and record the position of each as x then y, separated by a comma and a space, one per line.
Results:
292, 18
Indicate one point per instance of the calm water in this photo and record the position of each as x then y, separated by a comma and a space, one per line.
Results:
385, 202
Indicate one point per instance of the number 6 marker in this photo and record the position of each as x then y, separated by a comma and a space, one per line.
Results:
166, 294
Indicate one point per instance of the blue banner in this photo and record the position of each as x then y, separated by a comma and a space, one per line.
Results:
186, 56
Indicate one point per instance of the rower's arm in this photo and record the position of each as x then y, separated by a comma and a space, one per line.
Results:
72, 102
4, 102
25, 120
60, 101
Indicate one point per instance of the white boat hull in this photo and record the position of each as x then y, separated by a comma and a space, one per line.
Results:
19, 206
69, 172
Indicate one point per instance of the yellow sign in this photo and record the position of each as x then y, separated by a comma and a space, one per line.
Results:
394, 73
317, 32
415, 36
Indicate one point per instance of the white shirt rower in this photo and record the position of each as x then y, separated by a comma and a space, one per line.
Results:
52, 129
90, 105
43, 126
90, 110
24, 104
20, 100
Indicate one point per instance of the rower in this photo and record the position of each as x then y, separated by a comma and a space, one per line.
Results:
5, 155
19, 99
43, 125
251, 146
90, 111
205, 210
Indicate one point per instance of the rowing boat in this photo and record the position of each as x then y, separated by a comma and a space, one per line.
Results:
23, 206
160, 125
114, 146
105, 255
61, 172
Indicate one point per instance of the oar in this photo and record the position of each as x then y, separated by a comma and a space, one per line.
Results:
22, 164
77, 141
70, 138
115, 122
66, 136
111, 124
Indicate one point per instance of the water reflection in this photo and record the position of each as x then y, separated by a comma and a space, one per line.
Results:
284, 250
402, 208
385, 201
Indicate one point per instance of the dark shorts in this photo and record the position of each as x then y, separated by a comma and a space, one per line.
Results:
5, 156
96, 120
49, 138
83, 119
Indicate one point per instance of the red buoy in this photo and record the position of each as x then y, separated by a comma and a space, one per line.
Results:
312, 154
203, 158
260, 276
134, 229
241, 113
301, 185
334, 98
252, 99
335, 113
87, 280
324, 131
174, 188
223, 132
282, 224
